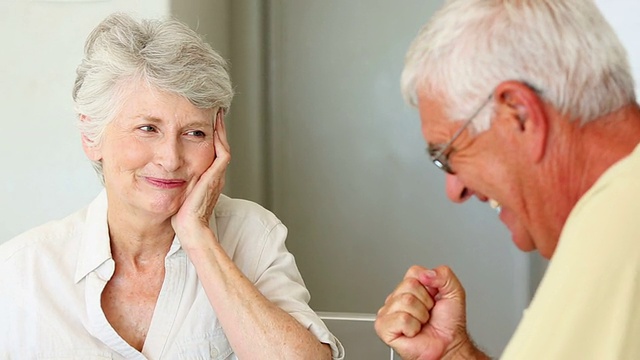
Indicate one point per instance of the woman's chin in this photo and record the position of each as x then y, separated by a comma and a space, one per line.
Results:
165, 207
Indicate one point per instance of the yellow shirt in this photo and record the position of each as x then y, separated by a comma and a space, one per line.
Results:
588, 303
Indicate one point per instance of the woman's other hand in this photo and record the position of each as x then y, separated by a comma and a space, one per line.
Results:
195, 212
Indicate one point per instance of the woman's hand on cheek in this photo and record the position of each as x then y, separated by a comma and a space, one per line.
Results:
193, 217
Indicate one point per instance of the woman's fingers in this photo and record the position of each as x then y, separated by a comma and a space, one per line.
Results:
221, 129
214, 176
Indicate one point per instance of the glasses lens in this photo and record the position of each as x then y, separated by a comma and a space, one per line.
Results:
441, 160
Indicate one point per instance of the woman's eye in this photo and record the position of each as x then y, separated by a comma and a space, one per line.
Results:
196, 133
147, 128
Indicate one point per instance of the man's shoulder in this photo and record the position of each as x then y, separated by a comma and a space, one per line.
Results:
615, 191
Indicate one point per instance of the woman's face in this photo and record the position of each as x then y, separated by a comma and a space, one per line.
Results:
154, 152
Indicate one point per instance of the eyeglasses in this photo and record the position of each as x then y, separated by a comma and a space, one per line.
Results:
440, 155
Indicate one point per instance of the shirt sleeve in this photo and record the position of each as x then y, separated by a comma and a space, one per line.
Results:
278, 279
586, 307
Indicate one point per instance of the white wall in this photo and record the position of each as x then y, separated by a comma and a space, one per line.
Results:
44, 172
623, 17
352, 180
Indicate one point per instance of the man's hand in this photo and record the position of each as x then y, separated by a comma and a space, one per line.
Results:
424, 318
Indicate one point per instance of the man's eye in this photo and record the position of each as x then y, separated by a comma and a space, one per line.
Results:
433, 150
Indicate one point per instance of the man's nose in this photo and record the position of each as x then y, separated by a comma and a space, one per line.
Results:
456, 190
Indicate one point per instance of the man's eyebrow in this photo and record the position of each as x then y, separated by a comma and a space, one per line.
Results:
434, 147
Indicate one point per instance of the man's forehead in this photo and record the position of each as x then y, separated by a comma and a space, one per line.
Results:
433, 114
431, 104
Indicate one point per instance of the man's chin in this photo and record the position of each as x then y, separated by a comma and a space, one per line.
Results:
519, 236
523, 242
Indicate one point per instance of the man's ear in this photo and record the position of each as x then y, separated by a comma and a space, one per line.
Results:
91, 149
526, 115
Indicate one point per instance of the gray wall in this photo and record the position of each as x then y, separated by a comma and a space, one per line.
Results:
341, 160
351, 178
209, 18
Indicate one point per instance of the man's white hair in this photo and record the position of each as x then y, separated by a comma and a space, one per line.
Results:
563, 48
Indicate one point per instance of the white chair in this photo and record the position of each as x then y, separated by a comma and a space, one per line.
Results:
357, 335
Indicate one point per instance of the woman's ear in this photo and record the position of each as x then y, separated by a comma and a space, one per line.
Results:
91, 149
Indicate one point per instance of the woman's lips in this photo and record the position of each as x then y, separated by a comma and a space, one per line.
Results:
165, 183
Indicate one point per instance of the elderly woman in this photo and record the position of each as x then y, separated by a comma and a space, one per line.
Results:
159, 265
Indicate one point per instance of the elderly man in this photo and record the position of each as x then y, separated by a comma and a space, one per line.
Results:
529, 105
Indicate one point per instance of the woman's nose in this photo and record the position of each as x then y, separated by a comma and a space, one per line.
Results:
169, 154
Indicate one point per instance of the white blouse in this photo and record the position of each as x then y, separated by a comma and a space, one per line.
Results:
52, 277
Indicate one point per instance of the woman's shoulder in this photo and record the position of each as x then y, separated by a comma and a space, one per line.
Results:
243, 210
249, 233
51, 235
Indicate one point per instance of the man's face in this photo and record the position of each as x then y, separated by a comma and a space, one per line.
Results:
486, 165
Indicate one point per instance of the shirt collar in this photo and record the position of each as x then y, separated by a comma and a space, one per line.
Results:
95, 248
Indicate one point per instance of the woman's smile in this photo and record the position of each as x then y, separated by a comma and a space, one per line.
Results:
165, 183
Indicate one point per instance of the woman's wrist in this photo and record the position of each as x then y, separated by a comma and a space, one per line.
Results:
195, 238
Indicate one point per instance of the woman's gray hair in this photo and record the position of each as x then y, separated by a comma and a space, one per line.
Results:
165, 54
563, 48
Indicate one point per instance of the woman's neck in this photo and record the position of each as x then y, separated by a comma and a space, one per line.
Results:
138, 240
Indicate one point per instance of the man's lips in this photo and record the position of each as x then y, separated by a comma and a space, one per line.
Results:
165, 183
